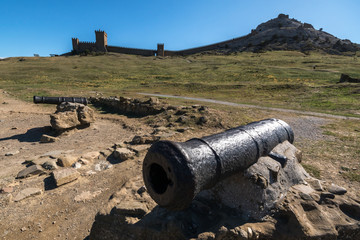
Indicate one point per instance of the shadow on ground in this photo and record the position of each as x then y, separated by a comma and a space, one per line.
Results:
32, 135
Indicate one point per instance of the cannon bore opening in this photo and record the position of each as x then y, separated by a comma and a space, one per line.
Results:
159, 179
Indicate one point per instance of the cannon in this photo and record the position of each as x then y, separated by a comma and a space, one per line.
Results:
174, 172
58, 100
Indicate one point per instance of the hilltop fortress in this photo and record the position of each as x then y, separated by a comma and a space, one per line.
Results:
281, 33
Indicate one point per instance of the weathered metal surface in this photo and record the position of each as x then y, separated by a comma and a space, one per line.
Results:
175, 172
58, 100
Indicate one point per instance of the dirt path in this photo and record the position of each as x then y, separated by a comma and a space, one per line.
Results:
252, 106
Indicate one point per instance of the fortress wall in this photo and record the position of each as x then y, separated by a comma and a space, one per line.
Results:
135, 51
170, 53
225, 44
86, 45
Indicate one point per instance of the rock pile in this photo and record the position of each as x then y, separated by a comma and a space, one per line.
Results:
264, 202
71, 115
129, 106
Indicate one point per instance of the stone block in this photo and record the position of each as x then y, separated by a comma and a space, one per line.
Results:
67, 160
63, 176
123, 154
28, 192
31, 170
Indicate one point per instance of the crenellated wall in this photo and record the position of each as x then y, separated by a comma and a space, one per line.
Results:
134, 51
101, 46
86, 46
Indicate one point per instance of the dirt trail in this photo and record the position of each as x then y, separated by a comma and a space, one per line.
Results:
253, 106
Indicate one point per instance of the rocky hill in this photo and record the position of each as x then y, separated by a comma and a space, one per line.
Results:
284, 33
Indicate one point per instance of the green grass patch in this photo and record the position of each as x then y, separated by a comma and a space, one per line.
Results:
283, 79
312, 170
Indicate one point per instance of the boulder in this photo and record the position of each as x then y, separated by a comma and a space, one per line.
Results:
71, 115
64, 120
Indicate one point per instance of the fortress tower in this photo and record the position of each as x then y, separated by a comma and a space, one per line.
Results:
160, 50
101, 40
75, 44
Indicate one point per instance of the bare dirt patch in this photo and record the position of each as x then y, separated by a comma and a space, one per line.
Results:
68, 211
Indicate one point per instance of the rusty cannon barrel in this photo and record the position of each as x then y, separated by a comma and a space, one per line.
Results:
58, 100
174, 172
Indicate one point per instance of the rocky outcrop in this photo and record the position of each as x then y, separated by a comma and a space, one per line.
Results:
71, 115
284, 33
266, 201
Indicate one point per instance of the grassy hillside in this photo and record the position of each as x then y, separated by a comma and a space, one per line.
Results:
278, 79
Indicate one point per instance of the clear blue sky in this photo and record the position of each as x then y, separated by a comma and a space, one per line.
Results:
47, 26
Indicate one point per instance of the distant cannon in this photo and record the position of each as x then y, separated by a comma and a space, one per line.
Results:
174, 172
58, 100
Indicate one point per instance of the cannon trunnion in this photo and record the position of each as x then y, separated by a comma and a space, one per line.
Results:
174, 172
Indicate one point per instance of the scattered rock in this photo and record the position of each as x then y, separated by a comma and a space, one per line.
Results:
182, 119
145, 139
139, 148
123, 154
102, 165
12, 153
91, 155
29, 171
141, 190
335, 189
76, 165
50, 165
6, 190
202, 120
84, 161
63, 176
315, 184
48, 139
67, 160
28, 192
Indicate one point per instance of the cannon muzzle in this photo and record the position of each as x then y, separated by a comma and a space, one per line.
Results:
58, 100
174, 172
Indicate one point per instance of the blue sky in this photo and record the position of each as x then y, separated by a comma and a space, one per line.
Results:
46, 26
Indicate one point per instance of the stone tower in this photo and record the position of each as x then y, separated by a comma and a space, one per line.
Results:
160, 50
75, 44
101, 40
